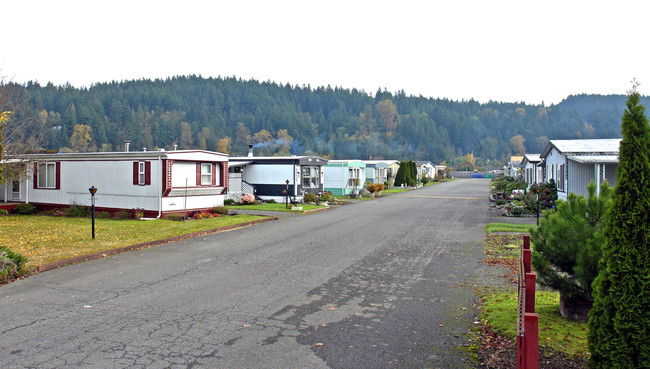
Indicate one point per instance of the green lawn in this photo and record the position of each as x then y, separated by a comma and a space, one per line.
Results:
44, 239
509, 227
499, 310
273, 207
567, 336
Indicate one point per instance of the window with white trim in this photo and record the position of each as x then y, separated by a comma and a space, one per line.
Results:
47, 175
310, 176
206, 174
559, 183
141, 173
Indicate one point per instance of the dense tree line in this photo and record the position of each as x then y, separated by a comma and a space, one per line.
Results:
227, 114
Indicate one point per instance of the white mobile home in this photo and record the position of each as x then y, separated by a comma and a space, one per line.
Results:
154, 182
532, 169
267, 176
572, 164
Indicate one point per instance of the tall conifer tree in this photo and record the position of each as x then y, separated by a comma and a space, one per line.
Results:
619, 324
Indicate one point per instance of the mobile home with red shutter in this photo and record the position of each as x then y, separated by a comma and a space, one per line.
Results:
152, 182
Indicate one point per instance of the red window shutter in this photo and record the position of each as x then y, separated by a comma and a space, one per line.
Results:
136, 171
214, 174
58, 175
224, 175
198, 174
35, 182
147, 172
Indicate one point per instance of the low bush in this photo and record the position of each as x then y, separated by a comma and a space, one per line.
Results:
174, 216
247, 199
325, 196
103, 215
272, 201
220, 210
425, 180
500, 202
229, 202
311, 197
123, 215
4, 212
12, 265
77, 211
25, 209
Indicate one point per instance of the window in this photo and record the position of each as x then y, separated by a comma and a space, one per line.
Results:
559, 183
206, 174
310, 177
47, 175
354, 177
141, 173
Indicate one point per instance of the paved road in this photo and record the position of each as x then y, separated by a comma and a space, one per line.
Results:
377, 284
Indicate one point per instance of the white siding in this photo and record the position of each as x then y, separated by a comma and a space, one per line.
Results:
113, 180
336, 176
270, 174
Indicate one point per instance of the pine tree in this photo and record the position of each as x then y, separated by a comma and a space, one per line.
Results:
619, 324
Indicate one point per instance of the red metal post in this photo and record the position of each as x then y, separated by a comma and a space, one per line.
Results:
531, 341
530, 293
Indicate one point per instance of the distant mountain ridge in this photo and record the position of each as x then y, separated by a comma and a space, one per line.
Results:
203, 113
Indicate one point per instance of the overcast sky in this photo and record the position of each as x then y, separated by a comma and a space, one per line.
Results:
511, 51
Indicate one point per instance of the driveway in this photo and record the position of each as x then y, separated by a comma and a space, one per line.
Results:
379, 284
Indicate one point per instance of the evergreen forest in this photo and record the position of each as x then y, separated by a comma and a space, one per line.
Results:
228, 114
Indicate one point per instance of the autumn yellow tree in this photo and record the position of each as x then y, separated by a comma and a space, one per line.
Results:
80, 139
284, 140
186, 136
517, 143
469, 162
386, 113
223, 145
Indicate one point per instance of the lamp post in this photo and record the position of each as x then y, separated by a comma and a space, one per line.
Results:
286, 200
537, 191
92, 190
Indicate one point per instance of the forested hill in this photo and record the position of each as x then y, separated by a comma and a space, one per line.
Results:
226, 114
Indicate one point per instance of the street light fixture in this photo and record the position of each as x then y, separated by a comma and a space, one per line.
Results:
92, 191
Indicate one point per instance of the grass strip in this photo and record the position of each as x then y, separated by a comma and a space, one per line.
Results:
46, 239
273, 207
509, 227
559, 334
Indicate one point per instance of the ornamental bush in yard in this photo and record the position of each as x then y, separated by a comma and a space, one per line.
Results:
567, 248
619, 322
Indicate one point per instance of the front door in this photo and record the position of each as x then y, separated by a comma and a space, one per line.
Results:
15, 190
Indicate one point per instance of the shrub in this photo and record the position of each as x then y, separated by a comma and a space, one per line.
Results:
220, 210
271, 201
25, 209
425, 180
229, 202
567, 243
12, 265
174, 216
325, 196
500, 202
197, 215
4, 212
247, 199
103, 215
77, 211
123, 215
310, 197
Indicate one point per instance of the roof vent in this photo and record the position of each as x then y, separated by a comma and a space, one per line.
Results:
127, 143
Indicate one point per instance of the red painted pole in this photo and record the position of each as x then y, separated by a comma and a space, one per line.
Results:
531, 341
530, 292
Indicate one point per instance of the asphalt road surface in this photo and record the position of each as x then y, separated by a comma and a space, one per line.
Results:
377, 284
